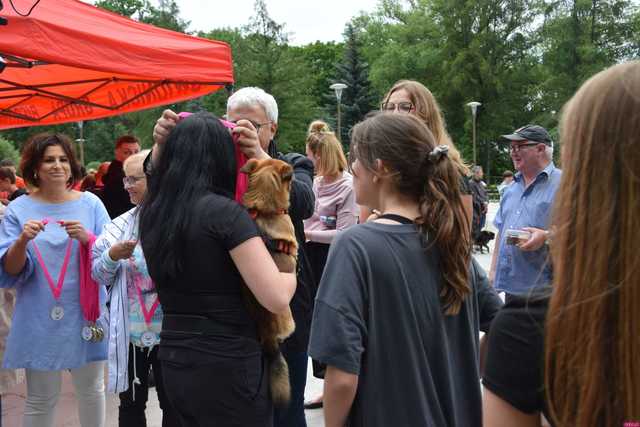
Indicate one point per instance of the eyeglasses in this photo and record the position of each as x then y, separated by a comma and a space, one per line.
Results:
403, 107
255, 124
516, 148
132, 180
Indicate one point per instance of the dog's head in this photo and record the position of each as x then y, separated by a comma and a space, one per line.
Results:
487, 236
269, 184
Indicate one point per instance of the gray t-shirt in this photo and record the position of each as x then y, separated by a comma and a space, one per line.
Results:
378, 315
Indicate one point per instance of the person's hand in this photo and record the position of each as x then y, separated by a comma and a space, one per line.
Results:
75, 230
122, 250
4, 201
535, 242
30, 230
164, 126
248, 141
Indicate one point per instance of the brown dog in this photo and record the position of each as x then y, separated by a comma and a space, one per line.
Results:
267, 199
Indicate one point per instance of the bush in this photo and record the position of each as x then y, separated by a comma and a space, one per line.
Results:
9, 151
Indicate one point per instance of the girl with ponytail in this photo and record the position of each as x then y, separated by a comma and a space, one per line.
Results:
394, 312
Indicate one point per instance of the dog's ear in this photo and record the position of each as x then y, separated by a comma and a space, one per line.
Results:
286, 172
250, 166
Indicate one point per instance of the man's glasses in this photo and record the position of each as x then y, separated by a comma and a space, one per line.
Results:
403, 107
132, 180
255, 124
518, 147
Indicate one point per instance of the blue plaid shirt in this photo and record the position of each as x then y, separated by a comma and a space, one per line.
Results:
518, 271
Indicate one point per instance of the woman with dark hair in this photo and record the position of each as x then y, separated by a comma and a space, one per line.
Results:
570, 351
395, 313
202, 248
44, 237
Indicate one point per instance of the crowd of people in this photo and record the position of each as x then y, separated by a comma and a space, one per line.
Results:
145, 271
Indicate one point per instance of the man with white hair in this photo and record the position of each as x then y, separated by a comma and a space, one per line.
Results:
255, 113
521, 262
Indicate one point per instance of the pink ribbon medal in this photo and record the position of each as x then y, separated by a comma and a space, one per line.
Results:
57, 312
242, 180
148, 338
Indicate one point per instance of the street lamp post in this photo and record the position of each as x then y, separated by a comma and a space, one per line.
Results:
80, 142
474, 109
338, 88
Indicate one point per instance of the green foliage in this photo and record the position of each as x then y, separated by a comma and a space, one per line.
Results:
9, 151
167, 15
263, 58
522, 59
357, 98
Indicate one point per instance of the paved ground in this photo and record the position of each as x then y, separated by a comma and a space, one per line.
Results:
13, 402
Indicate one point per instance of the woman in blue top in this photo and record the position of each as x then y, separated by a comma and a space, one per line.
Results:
44, 239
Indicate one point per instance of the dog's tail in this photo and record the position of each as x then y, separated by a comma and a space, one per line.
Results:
279, 379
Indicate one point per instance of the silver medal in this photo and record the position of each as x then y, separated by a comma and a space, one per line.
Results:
87, 333
148, 339
57, 312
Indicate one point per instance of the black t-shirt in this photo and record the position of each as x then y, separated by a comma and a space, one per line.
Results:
211, 284
114, 196
378, 315
19, 192
515, 356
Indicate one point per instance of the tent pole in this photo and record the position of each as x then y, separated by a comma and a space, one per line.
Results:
80, 142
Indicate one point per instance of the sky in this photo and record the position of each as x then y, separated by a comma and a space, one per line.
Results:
308, 21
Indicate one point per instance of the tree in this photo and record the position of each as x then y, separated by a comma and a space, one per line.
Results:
263, 58
357, 99
9, 151
167, 15
462, 50
579, 38
320, 62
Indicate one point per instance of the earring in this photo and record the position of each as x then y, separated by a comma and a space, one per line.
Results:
35, 175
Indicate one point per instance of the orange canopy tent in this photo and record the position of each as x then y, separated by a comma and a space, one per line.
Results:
71, 61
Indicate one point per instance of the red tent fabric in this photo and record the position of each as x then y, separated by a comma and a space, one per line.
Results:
71, 61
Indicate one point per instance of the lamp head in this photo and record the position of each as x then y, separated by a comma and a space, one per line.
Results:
338, 88
474, 106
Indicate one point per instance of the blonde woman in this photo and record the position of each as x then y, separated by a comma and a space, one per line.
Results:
412, 97
335, 206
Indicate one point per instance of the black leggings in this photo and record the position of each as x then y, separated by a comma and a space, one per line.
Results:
317, 254
131, 411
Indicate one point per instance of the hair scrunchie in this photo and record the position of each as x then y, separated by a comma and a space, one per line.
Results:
438, 153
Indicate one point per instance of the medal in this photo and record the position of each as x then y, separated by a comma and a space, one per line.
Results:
87, 333
92, 333
148, 339
57, 312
